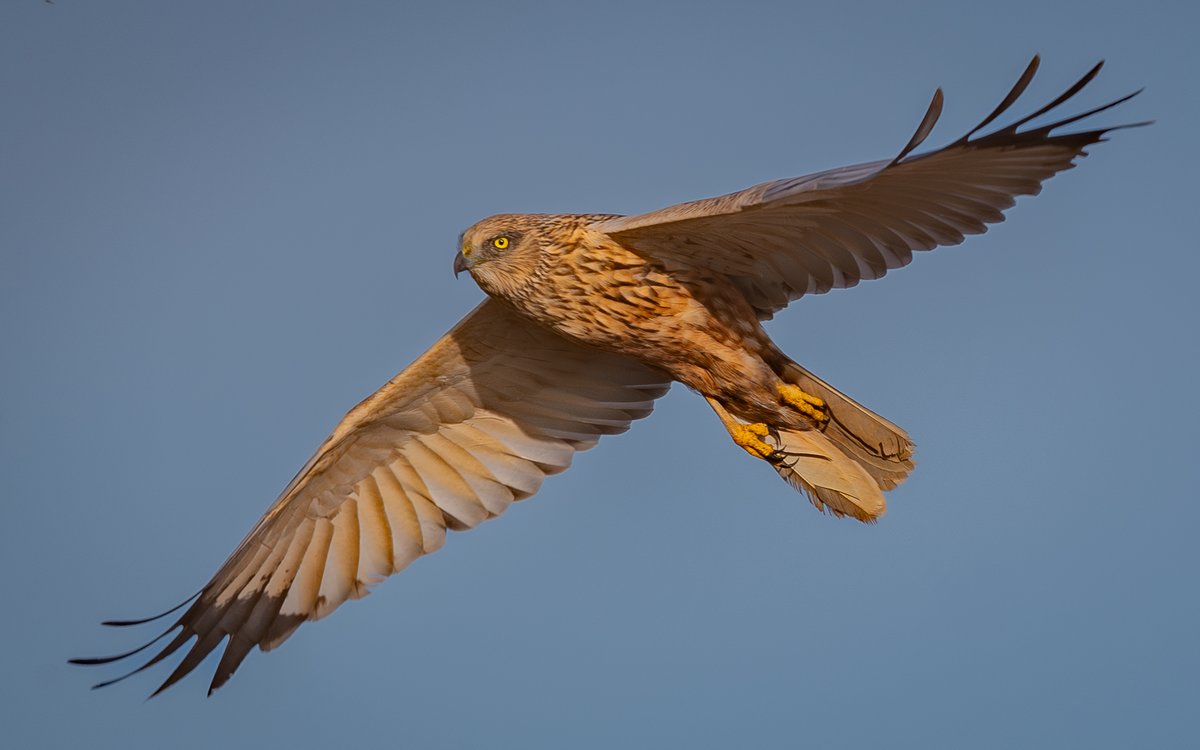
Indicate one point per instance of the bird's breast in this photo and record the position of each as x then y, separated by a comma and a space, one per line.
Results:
613, 299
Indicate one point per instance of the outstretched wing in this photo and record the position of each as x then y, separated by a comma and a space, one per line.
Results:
806, 235
474, 424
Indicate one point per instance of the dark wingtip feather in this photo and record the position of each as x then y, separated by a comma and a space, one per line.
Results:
98, 660
144, 620
1009, 99
115, 680
1075, 118
1128, 125
925, 128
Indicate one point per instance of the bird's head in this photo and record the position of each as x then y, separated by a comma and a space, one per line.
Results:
501, 252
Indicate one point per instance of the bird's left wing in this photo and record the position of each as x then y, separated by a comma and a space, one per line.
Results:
474, 424
806, 235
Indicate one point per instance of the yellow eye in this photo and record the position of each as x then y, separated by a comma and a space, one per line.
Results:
500, 243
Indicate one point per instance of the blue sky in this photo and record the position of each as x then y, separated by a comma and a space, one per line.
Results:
224, 223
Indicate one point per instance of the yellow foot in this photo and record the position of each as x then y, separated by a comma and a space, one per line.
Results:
807, 404
750, 438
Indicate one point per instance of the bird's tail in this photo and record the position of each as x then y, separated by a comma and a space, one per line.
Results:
847, 466
813, 464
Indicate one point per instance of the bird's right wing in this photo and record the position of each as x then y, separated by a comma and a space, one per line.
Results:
474, 424
806, 235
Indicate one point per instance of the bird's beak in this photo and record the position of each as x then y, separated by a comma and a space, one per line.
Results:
460, 264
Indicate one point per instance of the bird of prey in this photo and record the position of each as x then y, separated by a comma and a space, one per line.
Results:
588, 319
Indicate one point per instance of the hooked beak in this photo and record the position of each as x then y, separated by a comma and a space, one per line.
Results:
460, 264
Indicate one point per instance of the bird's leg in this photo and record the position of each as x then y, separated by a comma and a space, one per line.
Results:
748, 436
805, 403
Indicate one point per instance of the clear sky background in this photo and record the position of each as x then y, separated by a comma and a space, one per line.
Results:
224, 223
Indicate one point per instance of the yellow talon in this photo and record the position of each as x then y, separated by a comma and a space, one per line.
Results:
807, 404
749, 437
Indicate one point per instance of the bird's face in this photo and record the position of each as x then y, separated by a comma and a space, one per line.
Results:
499, 252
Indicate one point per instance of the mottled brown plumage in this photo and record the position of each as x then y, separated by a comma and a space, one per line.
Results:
694, 324
590, 317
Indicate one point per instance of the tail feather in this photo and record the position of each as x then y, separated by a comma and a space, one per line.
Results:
832, 480
881, 448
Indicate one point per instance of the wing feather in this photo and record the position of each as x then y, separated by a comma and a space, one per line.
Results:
407, 539
377, 560
475, 423
784, 239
